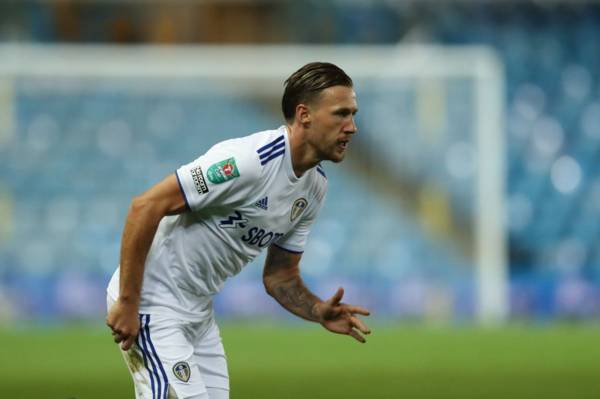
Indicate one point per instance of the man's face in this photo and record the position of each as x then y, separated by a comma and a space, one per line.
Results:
332, 122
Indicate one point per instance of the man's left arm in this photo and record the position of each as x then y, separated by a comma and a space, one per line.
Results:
282, 280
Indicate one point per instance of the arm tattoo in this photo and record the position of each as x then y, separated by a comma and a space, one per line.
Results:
295, 297
283, 282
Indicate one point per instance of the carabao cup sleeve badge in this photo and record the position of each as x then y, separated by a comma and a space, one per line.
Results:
223, 171
182, 371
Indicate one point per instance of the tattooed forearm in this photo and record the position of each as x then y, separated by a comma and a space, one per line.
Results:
283, 282
295, 297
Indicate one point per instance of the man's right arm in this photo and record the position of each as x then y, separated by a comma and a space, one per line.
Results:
145, 213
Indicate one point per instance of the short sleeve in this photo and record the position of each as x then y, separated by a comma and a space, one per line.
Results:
295, 240
221, 177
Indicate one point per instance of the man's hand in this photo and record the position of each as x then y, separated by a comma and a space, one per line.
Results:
341, 318
282, 280
124, 322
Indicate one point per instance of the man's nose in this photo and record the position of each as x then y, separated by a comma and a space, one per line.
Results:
351, 127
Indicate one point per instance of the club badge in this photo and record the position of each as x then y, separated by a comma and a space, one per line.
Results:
223, 171
297, 208
182, 371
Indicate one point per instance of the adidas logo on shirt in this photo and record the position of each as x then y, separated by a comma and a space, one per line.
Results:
263, 203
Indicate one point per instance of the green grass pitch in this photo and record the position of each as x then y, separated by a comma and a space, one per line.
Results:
303, 361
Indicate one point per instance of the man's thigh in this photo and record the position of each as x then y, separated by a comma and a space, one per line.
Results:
162, 362
209, 355
190, 356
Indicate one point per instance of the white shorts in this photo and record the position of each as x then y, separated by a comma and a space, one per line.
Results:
172, 358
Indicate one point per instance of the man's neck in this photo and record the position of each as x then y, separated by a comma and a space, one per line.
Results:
303, 155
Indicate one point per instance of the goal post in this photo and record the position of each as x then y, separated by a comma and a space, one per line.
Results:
261, 70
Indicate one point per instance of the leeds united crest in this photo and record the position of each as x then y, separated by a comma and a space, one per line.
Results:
297, 208
182, 371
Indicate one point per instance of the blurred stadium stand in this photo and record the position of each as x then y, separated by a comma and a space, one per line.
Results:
77, 159
59, 245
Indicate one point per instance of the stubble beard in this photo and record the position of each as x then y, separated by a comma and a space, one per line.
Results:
335, 156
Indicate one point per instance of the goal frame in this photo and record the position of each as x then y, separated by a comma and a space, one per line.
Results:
270, 65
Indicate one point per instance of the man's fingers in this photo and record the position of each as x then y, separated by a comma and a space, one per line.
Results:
358, 323
337, 297
354, 334
125, 339
118, 336
126, 344
357, 310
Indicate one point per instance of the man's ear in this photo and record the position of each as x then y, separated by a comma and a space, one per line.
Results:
303, 114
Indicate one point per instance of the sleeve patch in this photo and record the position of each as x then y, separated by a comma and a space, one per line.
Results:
199, 182
297, 208
223, 171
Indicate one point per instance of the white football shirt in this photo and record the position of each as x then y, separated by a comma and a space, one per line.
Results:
243, 196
